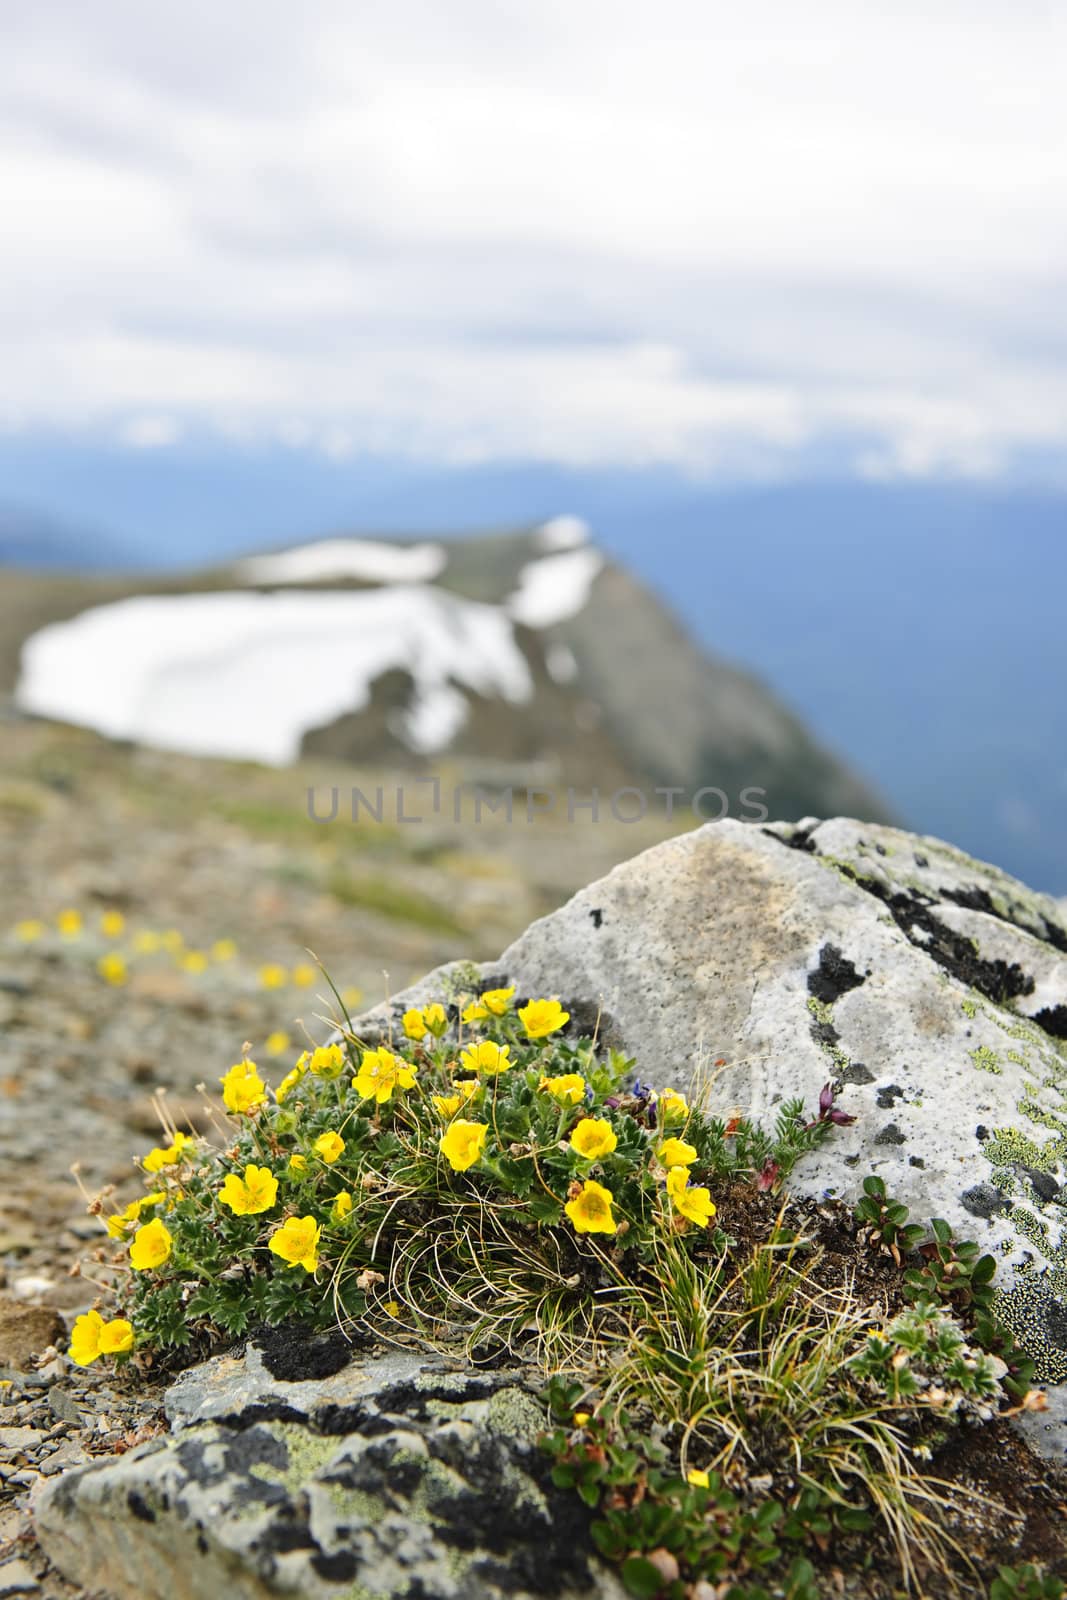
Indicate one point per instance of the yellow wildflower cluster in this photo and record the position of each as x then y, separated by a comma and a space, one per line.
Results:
507, 1111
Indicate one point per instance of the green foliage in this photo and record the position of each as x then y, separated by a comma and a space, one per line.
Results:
951, 1272
1025, 1582
923, 1352
650, 1512
954, 1271
885, 1221
807, 1423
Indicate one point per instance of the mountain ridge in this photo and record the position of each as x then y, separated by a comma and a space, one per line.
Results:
529, 649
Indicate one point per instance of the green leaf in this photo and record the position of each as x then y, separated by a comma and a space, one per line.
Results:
641, 1578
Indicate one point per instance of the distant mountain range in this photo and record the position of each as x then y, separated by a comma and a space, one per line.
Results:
525, 657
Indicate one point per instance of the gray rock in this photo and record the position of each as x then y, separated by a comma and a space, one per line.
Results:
757, 963
16, 1578
392, 1476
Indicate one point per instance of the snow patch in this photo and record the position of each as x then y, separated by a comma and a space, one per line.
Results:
247, 675
563, 533
371, 560
554, 588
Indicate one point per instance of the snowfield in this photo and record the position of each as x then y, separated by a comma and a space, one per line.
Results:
247, 675
369, 560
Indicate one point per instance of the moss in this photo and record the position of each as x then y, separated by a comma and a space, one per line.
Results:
969, 1008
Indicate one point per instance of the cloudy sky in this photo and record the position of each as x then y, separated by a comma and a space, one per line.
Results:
726, 238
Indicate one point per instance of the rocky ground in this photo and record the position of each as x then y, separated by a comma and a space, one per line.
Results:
222, 885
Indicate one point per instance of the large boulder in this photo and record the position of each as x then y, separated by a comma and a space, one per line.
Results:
760, 962
328, 1479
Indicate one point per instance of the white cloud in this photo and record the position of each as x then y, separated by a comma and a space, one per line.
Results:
150, 433
698, 233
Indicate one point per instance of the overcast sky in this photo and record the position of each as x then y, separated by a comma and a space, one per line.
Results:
726, 237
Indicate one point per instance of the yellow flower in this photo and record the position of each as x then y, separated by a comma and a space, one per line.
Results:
486, 1058
568, 1088
291, 1079
435, 1018
272, 976
463, 1143
116, 1337
697, 1477
146, 943
151, 1246
85, 1338
112, 968
414, 1024
112, 924
341, 1208
380, 1073
303, 975
351, 996
159, 1158
248, 1196
581, 1418
194, 961
671, 1106
242, 1088
297, 1242
392, 1308
69, 924
91, 1337
119, 1221
172, 941
29, 930
590, 1211
449, 1104
329, 1147
298, 1164
497, 1000
593, 1138
277, 1043
223, 950
475, 1012
328, 1061
542, 1017
676, 1153
692, 1204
